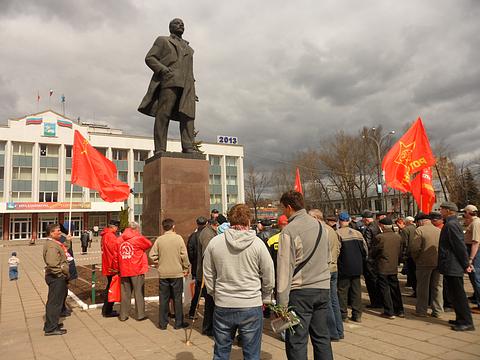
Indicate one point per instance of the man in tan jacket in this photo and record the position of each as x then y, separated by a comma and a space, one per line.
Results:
170, 253
56, 257
424, 251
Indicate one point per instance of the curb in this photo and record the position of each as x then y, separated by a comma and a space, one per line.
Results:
85, 306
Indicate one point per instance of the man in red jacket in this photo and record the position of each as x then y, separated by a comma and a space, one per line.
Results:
133, 265
109, 254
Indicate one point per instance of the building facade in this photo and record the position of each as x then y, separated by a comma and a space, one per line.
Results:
35, 172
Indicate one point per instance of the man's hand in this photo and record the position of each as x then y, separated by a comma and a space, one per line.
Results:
469, 269
185, 273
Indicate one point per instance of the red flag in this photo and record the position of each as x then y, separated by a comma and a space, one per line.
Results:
298, 184
409, 155
94, 171
422, 190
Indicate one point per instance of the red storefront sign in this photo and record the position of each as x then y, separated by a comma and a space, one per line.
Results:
47, 205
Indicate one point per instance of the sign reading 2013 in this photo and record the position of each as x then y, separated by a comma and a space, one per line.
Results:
221, 139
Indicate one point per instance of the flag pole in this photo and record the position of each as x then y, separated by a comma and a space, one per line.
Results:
70, 207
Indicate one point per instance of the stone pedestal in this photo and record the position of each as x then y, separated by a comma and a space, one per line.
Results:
175, 185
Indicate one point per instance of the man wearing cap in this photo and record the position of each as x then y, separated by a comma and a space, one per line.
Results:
407, 231
265, 230
472, 239
369, 271
109, 247
436, 219
424, 251
453, 263
386, 250
353, 252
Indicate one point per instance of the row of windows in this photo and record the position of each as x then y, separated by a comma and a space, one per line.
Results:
217, 199
217, 179
229, 160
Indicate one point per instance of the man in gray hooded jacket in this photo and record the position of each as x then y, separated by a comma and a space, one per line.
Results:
238, 272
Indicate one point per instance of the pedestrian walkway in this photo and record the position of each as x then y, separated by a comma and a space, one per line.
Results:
90, 336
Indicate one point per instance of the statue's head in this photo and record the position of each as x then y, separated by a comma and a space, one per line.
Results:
177, 27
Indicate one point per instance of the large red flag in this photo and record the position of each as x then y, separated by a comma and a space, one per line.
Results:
93, 170
298, 183
409, 155
422, 190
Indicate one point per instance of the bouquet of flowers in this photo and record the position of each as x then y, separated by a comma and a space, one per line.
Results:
286, 318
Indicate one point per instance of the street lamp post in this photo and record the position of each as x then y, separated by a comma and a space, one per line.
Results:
378, 143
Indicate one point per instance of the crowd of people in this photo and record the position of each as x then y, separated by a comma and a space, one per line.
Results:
306, 262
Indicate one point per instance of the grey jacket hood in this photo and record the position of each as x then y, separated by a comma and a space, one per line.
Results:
240, 239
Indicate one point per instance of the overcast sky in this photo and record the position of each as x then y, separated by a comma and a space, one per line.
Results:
280, 75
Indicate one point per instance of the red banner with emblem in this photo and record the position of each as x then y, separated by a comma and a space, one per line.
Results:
409, 155
422, 190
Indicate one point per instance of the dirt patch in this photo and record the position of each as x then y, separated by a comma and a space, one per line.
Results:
82, 287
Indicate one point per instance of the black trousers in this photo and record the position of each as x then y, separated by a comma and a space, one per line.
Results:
311, 306
196, 296
349, 287
107, 306
176, 286
370, 276
412, 273
168, 100
457, 295
57, 286
207, 325
392, 297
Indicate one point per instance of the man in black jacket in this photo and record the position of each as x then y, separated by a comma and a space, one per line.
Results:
369, 272
192, 250
453, 263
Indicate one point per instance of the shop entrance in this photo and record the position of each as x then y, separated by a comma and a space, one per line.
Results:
20, 227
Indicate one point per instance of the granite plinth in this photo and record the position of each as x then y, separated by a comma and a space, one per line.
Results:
177, 188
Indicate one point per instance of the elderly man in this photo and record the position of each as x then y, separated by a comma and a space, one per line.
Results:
453, 263
171, 93
353, 253
239, 276
56, 259
133, 265
424, 251
369, 271
303, 278
386, 250
472, 239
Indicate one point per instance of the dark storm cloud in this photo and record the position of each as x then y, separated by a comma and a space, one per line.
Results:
78, 14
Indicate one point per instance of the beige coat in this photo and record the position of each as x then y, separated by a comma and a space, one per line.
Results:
55, 259
171, 254
334, 245
424, 247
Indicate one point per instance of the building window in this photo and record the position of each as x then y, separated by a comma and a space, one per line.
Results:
231, 180
215, 199
48, 174
21, 196
102, 151
232, 198
43, 222
230, 161
215, 180
123, 176
119, 154
2, 147
214, 160
21, 173
97, 220
68, 151
140, 155
20, 228
43, 150
95, 196
2, 171
22, 148
138, 199
48, 196
138, 175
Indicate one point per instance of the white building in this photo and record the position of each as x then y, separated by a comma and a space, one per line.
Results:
35, 170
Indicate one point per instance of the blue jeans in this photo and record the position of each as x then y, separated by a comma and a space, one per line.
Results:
248, 322
475, 277
13, 272
334, 318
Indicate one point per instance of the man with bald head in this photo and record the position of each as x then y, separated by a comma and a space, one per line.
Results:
171, 93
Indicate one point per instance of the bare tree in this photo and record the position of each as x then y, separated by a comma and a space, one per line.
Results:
255, 185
